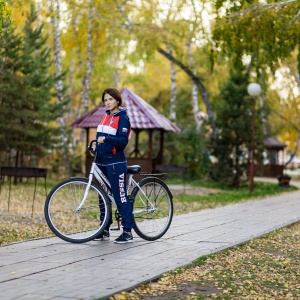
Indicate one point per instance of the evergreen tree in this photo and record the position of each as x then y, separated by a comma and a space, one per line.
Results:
11, 85
232, 143
28, 93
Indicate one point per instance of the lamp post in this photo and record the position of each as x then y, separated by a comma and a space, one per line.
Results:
254, 90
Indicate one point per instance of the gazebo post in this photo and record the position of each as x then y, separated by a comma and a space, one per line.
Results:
136, 146
88, 156
150, 135
159, 158
87, 137
136, 151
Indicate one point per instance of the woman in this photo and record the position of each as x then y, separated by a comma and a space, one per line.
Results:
112, 138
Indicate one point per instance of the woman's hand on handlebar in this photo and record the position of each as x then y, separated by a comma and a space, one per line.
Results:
100, 139
92, 147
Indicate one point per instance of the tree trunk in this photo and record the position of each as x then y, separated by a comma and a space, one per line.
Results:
16, 165
116, 72
173, 88
237, 168
89, 67
195, 79
198, 83
71, 76
194, 90
55, 19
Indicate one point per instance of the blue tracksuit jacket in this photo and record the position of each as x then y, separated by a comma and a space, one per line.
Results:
112, 161
115, 128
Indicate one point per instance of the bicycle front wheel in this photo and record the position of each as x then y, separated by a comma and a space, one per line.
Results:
67, 219
152, 208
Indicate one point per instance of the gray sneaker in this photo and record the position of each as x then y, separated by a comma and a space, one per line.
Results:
103, 237
125, 237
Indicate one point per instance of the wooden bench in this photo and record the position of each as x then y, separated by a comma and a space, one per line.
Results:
20, 172
170, 169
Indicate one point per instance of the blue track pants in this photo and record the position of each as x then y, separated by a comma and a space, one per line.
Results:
116, 174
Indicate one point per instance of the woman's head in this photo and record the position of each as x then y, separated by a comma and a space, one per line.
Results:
114, 93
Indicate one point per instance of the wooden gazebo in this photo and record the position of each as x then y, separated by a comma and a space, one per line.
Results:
273, 147
143, 117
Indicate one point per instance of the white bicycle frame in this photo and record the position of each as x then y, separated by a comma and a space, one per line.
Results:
102, 179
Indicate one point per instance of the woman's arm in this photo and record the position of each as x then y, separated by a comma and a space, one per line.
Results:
120, 140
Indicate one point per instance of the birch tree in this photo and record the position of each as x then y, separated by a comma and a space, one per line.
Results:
173, 87
197, 82
194, 29
270, 31
89, 64
163, 38
55, 19
116, 72
194, 90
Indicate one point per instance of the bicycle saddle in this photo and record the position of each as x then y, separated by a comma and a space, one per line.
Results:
135, 169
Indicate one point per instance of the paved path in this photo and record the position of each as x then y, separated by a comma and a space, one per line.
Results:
54, 269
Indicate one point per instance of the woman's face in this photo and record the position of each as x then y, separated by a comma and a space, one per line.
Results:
111, 103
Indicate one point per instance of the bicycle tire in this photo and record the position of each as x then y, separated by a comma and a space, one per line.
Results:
71, 225
152, 224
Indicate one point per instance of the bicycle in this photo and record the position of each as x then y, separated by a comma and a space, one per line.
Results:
72, 208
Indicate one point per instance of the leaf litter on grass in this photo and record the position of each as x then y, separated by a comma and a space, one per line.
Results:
263, 268
16, 227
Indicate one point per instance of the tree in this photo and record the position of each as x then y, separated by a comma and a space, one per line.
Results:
173, 88
55, 19
5, 15
26, 93
11, 85
232, 143
267, 31
151, 33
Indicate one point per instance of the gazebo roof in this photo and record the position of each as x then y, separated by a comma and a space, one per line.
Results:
142, 115
272, 143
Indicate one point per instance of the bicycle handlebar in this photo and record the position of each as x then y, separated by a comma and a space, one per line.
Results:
90, 148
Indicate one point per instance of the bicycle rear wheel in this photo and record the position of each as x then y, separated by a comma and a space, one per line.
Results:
66, 220
152, 222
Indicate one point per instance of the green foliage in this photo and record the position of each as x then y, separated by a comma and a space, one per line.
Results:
232, 143
11, 82
125, 38
233, 5
26, 93
268, 32
187, 148
5, 15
